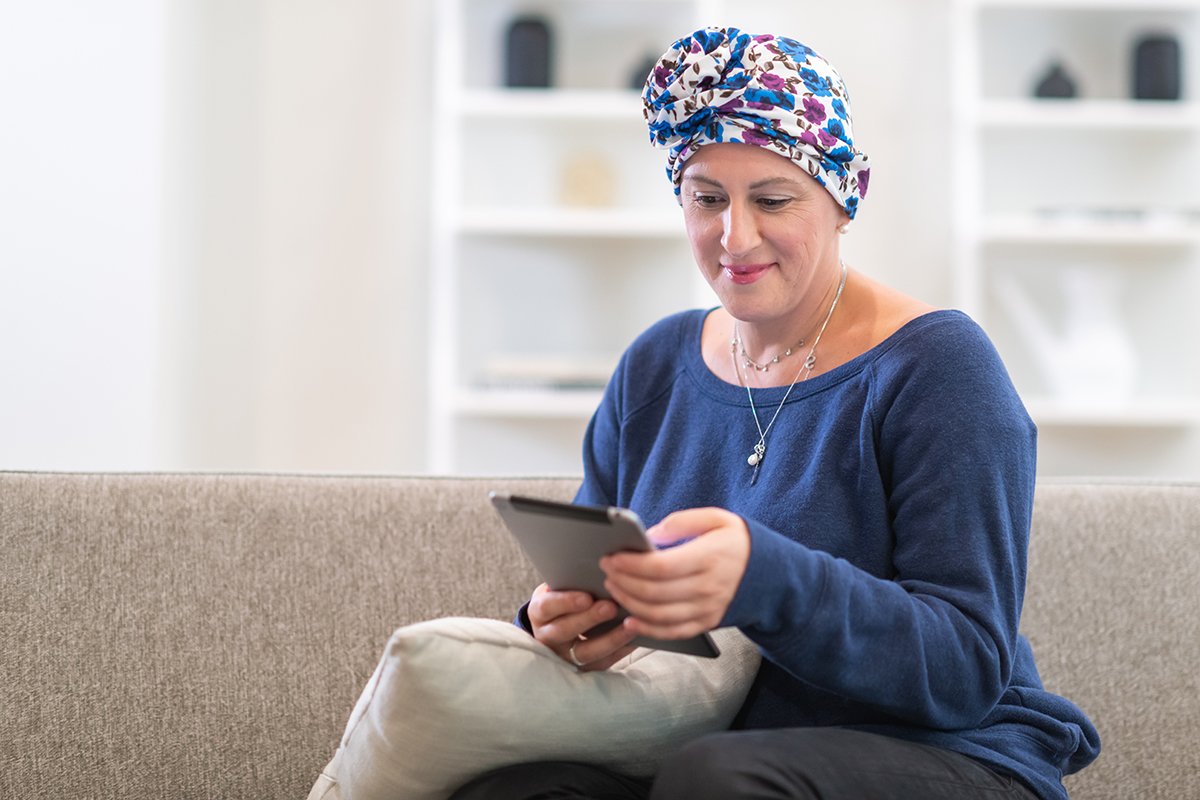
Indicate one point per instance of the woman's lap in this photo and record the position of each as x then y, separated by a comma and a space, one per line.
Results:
826, 763
553, 780
829, 763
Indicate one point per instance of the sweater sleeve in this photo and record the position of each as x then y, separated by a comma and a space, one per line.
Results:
613, 455
933, 643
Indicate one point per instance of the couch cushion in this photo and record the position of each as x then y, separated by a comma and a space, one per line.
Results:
454, 698
196, 636
1113, 613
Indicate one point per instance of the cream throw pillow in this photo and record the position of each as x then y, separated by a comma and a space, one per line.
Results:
453, 698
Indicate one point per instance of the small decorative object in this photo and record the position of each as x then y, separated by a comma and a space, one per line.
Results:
527, 53
1156, 69
1090, 360
588, 180
637, 78
547, 371
1056, 83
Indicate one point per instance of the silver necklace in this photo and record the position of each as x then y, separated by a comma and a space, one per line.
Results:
750, 362
760, 449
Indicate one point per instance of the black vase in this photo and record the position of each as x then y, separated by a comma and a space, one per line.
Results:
1056, 83
1156, 69
527, 53
641, 73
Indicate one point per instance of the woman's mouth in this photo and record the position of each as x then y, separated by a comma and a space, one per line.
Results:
745, 273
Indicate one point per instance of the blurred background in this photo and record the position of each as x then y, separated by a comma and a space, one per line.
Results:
325, 236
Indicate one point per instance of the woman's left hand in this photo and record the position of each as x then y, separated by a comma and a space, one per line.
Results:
685, 590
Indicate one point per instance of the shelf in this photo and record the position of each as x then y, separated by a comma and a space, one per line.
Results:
565, 104
527, 403
1030, 229
1102, 115
1086, 5
614, 222
1142, 413
550, 217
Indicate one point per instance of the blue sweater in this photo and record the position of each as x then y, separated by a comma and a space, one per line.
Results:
888, 522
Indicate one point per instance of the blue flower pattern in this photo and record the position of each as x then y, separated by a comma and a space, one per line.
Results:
721, 84
817, 84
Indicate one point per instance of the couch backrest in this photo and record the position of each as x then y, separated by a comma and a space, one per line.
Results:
189, 636
1112, 609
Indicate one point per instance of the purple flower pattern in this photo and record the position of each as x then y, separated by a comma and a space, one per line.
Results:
772, 81
814, 112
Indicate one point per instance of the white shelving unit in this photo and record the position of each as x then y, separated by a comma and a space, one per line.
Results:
1102, 187
523, 273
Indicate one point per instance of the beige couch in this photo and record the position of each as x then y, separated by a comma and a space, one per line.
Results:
205, 636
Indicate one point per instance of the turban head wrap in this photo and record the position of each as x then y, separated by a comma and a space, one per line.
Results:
723, 85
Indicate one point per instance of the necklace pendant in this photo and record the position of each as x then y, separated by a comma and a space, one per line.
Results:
760, 450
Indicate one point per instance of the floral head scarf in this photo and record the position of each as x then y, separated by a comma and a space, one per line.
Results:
723, 85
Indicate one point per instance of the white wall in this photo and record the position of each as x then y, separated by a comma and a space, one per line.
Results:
81, 145
297, 235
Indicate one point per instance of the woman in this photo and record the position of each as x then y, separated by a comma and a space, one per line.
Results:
852, 467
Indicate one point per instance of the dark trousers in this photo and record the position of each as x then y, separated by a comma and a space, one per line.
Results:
793, 763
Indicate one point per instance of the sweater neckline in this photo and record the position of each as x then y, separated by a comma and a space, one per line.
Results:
709, 383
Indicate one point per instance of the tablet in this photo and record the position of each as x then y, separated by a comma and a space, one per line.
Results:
565, 543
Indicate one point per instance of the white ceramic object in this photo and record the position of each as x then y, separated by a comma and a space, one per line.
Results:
1088, 359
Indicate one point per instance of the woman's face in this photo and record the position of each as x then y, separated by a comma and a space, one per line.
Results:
764, 232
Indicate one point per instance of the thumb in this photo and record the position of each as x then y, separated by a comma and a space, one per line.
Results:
682, 526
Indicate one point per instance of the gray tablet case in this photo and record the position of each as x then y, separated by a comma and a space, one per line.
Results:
565, 543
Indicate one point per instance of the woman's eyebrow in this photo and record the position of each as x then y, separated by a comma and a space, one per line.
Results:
756, 185
771, 181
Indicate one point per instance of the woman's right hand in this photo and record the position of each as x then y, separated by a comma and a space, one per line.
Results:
560, 618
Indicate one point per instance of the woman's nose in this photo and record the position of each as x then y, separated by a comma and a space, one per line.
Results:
741, 230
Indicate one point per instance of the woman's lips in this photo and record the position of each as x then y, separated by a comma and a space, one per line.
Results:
745, 273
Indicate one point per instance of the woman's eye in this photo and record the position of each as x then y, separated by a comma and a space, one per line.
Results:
774, 202
706, 199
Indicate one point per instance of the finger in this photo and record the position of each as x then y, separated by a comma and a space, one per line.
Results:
702, 608
640, 597
563, 630
606, 663
688, 524
547, 604
681, 630
704, 597
678, 562
600, 652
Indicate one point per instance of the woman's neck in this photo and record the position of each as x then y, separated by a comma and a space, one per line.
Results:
784, 344
761, 341
725, 338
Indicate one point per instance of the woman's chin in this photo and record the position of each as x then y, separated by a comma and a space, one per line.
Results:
749, 310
